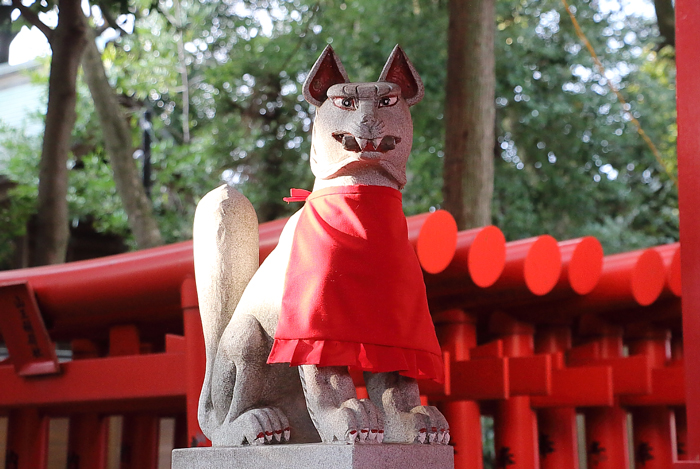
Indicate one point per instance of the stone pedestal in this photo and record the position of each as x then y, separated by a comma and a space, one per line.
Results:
317, 456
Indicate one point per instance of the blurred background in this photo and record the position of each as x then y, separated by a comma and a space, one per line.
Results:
173, 97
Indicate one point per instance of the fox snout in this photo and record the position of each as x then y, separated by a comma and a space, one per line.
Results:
369, 126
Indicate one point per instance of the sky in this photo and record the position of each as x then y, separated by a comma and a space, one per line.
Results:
31, 43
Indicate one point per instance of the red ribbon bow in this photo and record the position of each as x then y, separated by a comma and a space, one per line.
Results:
297, 195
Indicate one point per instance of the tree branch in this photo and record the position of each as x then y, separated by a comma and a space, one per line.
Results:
110, 20
33, 19
168, 17
665, 19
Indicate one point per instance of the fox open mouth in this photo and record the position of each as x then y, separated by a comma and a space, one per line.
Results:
357, 144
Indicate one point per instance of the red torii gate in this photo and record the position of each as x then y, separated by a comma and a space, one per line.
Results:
688, 105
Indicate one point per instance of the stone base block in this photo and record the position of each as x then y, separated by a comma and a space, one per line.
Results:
316, 456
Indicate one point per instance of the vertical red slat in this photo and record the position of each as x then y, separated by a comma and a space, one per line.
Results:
195, 360
27, 439
681, 434
558, 438
140, 441
457, 333
515, 423
653, 427
606, 427
653, 437
87, 441
181, 440
606, 438
688, 105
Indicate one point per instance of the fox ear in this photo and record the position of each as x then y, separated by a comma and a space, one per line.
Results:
326, 72
399, 70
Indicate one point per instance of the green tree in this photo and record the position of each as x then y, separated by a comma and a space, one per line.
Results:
67, 42
571, 161
568, 160
117, 134
470, 112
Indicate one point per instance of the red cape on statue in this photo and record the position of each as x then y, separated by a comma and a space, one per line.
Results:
354, 293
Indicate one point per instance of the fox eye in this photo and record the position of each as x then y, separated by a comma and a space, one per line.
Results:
388, 101
344, 103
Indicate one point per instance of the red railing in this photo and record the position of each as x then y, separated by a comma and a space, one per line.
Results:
533, 331
553, 357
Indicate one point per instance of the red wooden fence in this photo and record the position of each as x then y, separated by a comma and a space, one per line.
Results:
535, 333
559, 346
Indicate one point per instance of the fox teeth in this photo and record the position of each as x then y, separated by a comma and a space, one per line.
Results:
359, 144
365, 144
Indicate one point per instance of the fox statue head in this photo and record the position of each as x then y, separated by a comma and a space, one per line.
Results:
362, 127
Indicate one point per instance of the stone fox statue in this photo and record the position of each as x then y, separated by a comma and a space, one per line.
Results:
342, 289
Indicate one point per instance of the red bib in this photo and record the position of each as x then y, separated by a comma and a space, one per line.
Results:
354, 293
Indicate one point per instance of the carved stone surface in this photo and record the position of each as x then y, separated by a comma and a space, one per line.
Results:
317, 456
361, 137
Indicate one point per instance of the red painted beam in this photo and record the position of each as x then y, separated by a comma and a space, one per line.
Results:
580, 386
629, 278
110, 290
269, 236
582, 265
671, 257
688, 91
143, 287
493, 382
98, 380
434, 237
31, 350
530, 376
534, 263
667, 378
480, 256
580, 270
121, 288
531, 269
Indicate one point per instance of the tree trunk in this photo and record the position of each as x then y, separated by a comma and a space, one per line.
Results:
117, 140
6, 33
666, 20
67, 43
470, 112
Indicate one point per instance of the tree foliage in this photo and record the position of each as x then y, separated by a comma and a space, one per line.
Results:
572, 162
568, 159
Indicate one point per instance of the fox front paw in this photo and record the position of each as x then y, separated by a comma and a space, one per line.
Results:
266, 425
355, 421
421, 425
437, 430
